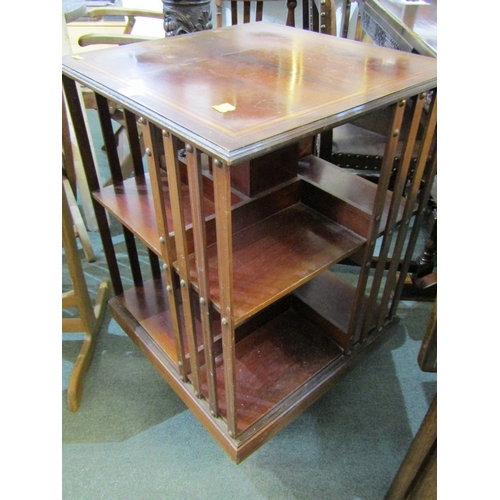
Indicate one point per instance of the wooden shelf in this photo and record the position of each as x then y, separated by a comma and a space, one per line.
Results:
272, 363
328, 301
273, 358
131, 202
148, 305
355, 195
275, 256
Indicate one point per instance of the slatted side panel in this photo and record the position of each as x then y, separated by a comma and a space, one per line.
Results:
135, 141
425, 175
154, 152
396, 272
391, 224
195, 181
355, 330
75, 109
170, 145
116, 174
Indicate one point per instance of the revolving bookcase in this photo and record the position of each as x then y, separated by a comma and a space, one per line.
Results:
241, 310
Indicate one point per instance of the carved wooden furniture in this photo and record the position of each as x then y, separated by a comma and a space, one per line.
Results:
404, 25
186, 16
243, 316
90, 317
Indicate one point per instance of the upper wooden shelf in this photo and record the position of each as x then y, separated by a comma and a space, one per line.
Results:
355, 191
131, 202
267, 72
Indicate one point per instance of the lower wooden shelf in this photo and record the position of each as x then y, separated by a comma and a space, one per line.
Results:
272, 363
284, 361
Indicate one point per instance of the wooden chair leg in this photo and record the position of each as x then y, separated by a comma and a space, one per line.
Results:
90, 316
78, 223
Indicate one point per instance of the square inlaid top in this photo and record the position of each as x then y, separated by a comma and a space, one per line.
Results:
240, 91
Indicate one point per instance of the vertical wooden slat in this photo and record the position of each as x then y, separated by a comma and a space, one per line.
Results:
306, 19
246, 12
67, 148
168, 253
234, 12
135, 147
174, 184
258, 10
408, 213
396, 200
346, 17
222, 191
134, 142
195, 181
424, 196
116, 174
84, 147
108, 138
378, 206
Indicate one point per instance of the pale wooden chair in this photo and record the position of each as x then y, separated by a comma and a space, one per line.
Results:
90, 316
127, 36
99, 39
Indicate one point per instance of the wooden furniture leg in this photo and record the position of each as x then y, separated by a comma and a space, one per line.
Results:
422, 283
417, 476
91, 317
78, 224
70, 183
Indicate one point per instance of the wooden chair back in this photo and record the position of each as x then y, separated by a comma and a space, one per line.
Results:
246, 11
332, 17
126, 37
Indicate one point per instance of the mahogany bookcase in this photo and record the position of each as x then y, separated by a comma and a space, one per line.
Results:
244, 315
